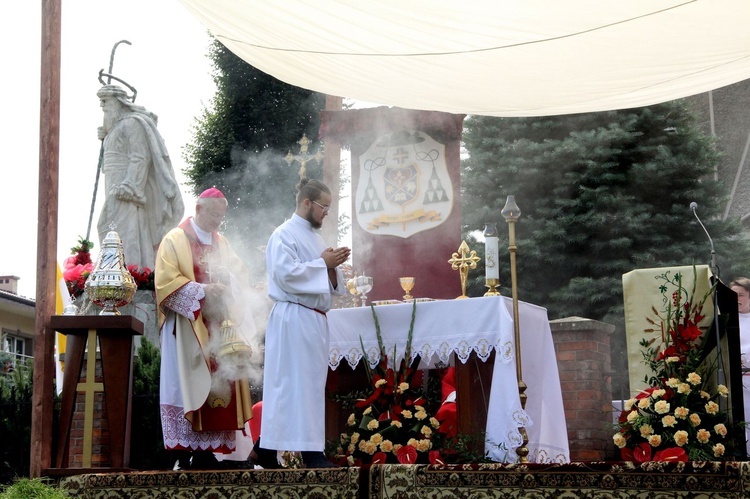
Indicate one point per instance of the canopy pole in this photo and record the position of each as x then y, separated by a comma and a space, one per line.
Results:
49, 155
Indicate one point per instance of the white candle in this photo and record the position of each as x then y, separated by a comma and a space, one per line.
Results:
491, 254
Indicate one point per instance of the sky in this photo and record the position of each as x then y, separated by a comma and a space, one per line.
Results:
167, 63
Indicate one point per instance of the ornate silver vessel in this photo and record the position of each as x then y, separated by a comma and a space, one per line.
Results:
110, 285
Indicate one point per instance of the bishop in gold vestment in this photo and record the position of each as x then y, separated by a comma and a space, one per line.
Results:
199, 281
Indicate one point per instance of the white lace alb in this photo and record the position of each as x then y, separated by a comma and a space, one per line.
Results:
186, 300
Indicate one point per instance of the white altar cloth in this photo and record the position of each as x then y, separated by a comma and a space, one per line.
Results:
442, 328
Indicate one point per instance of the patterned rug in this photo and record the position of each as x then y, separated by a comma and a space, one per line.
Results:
705, 480
598, 480
246, 484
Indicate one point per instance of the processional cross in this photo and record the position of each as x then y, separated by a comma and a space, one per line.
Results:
463, 263
304, 156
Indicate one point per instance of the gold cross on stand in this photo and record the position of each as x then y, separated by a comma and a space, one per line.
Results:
89, 389
303, 157
463, 262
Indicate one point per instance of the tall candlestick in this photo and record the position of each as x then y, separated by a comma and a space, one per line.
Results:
511, 212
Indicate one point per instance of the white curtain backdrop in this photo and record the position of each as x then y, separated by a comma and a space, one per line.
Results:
491, 57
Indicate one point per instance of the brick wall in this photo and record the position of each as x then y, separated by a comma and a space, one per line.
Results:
583, 354
100, 437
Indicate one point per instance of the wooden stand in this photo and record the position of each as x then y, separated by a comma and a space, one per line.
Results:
473, 384
115, 334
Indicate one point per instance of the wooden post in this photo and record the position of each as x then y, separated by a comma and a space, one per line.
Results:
49, 149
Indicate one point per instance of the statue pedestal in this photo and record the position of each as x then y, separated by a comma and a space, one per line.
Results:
115, 341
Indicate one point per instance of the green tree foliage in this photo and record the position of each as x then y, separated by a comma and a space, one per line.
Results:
16, 388
601, 194
36, 488
239, 145
15, 421
147, 442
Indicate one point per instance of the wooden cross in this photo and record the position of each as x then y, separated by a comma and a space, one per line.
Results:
463, 263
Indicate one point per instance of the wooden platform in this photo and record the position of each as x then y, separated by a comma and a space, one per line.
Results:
621, 480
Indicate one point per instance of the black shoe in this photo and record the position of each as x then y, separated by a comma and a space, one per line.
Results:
204, 460
182, 460
229, 464
316, 460
265, 458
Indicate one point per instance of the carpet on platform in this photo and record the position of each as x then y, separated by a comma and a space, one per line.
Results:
330, 483
705, 480
590, 480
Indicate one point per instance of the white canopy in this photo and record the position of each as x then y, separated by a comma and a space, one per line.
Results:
491, 57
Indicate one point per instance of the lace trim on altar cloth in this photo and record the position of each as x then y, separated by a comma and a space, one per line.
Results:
178, 433
186, 300
548, 456
505, 352
502, 448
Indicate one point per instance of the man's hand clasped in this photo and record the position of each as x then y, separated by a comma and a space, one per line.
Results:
335, 257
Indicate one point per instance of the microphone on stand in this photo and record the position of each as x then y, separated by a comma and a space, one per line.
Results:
715, 271
714, 268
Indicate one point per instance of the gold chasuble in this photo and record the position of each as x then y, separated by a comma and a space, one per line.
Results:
183, 259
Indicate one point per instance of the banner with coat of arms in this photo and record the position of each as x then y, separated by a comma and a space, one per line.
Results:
404, 187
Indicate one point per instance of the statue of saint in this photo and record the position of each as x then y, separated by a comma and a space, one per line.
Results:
142, 196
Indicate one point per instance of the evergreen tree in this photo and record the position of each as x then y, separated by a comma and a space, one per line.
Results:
16, 392
601, 194
147, 450
239, 146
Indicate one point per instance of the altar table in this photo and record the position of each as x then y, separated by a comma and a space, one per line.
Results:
462, 327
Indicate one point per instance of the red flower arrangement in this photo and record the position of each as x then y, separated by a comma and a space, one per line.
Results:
677, 418
78, 266
144, 278
392, 423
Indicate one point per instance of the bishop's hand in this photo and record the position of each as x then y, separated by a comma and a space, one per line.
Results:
215, 291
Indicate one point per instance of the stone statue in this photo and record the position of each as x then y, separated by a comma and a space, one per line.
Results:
142, 196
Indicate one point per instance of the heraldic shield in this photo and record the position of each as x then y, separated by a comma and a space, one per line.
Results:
404, 188
401, 184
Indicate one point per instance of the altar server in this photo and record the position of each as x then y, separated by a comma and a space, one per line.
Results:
303, 276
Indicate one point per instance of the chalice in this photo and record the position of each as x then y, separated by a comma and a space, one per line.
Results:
363, 285
352, 289
407, 284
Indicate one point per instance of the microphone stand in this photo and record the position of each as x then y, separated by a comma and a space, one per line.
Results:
715, 273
